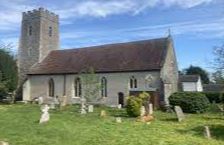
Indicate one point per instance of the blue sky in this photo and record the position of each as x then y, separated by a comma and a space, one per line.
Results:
196, 25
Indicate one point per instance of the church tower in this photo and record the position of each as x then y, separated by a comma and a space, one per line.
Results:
39, 36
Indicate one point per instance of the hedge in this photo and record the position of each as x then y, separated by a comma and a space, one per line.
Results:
214, 96
190, 102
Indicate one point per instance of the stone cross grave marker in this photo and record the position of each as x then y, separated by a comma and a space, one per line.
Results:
179, 113
45, 117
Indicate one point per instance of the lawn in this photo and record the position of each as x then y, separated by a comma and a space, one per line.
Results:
19, 126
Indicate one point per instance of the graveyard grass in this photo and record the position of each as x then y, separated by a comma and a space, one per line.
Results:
19, 126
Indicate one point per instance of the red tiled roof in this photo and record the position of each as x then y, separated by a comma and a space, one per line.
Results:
122, 57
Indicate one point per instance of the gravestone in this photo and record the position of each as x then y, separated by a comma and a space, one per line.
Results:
83, 108
45, 115
4, 143
40, 100
179, 113
52, 105
118, 119
119, 106
64, 101
90, 108
142, 111
103, 113
150, 109
207, 132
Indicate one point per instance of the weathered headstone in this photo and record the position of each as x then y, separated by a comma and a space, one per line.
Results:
119, 106
64, 101
40, 100
45, 115
118, 119
52, 105
90, 108
207, 132
103, 113
142, 111
83, 108
150, 109
179, 113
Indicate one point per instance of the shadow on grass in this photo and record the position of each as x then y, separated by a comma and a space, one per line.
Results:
170, 119
217, 131
215, 118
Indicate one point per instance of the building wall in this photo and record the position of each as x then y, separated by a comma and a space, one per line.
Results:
116, 82
169, 72
189, 86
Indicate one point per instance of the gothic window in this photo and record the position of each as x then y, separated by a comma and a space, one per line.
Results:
50, 31
51, 87
103, 87
133, 82
78, 87
30, 30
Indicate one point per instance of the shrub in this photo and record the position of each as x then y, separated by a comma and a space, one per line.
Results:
133, 106
190, 102
214, 97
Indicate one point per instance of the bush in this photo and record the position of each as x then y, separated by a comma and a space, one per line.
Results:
190, 102
214, 97
133, 106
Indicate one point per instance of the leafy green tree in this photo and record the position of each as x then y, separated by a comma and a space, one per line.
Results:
8, 70
196, 70
218, 77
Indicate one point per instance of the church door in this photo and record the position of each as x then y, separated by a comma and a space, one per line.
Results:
121, 98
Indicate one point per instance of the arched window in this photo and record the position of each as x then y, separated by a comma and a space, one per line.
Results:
30, 30
103, 87
133, 82
78, 87
50, 31
51, 87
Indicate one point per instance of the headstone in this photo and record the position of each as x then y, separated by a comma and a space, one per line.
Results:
83, 108
45, 115
142, 111
4, 143
52, 105
118, 119
90, 108
40, 100
179, 113
103, 113
207, 132
119, 106
150, 109
64, 101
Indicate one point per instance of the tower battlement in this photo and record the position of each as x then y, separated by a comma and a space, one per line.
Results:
41, 12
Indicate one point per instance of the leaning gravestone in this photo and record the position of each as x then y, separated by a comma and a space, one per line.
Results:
119, 106
40, 100
179, 113
207, 132
45, 115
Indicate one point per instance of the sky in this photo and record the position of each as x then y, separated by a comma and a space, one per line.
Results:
197, 26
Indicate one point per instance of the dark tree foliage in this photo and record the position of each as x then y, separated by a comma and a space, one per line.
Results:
8, 69
196, 70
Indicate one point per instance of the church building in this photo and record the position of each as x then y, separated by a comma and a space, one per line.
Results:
122, 68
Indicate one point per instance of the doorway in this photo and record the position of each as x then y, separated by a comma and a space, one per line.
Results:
121, 98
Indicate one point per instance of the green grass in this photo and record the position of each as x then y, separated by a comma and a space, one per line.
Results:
19, 126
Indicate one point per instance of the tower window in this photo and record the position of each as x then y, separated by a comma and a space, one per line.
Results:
30, 30
50, 31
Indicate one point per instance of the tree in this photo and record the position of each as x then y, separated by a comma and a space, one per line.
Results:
218, 64
8, 69
196, 70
